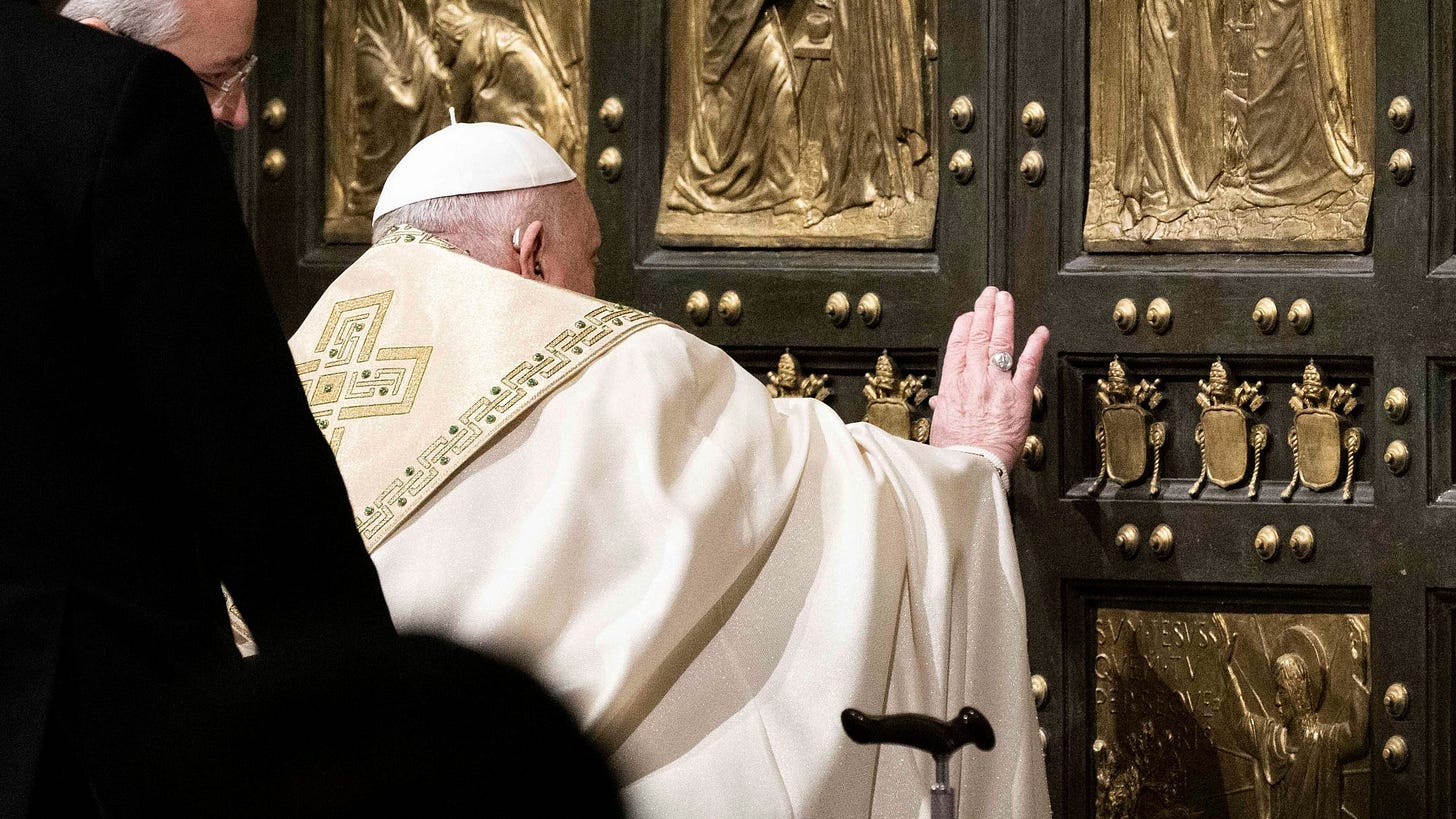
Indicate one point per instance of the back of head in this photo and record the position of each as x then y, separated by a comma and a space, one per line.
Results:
471, 158
1291, 675
483, 224
452, 21
153, 22
503, 195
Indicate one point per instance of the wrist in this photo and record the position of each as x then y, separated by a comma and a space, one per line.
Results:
1003, 475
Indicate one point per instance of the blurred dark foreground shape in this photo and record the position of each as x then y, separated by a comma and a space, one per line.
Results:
412, 727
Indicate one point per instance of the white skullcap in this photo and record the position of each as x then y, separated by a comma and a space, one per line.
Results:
472, 157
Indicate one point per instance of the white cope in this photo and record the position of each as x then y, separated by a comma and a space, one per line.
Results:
705, 575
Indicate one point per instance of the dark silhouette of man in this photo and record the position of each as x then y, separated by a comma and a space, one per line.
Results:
154, 443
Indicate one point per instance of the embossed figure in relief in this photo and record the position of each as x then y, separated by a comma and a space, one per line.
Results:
1275, 156
1301, 749
394, 68
800, 123
892, 400
400, 96
1141, 771
1224, 433
1237, 715
787, 381
879, 61
1319, 435
1126, 430
742, 146
499, 72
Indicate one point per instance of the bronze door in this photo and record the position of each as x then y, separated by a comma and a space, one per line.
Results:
761, 168
1209, 205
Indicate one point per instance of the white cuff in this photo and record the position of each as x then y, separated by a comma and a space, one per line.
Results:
1002, 474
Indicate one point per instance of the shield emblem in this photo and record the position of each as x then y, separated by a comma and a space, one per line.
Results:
891, 416
1126, 428
1320, 449
1226, 444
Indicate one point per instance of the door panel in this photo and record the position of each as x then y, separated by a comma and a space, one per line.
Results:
1240, 126
1159, 663
1369, 329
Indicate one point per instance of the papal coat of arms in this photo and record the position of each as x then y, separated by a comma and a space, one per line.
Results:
1225, 434
1319, 435
790, 380
891, 400
1126, 431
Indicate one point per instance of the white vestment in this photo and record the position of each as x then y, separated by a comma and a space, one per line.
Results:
705, 575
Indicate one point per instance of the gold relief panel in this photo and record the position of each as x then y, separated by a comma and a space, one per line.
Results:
394, 68
1276, 154
1237, 715
800, 123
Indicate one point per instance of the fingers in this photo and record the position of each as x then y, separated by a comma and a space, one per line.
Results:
1003, 325
980, 335
1030, 364
955, 347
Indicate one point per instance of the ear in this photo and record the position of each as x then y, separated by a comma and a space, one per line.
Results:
96, 23
530, 250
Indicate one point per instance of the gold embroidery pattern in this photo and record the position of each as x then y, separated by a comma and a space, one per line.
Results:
351, 379
408, 234
242, 635
509, 398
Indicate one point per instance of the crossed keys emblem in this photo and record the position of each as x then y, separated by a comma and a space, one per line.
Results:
352, 378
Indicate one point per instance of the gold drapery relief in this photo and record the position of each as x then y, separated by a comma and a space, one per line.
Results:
800, 123
1257, 716
393, 68
1230, 125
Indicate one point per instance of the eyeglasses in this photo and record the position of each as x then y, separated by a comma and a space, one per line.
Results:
223, 89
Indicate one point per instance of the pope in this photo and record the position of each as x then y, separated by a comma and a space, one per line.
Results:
706, 575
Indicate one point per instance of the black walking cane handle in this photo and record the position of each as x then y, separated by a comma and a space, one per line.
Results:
933, 736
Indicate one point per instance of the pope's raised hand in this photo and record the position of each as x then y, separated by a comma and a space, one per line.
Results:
981, 404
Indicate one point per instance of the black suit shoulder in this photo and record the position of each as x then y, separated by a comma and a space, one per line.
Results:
55, 53
60, 75
62, 86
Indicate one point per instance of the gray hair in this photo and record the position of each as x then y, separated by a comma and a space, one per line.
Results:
488, 219
153, 22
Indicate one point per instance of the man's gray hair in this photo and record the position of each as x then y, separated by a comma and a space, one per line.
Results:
489, 218
154, 22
